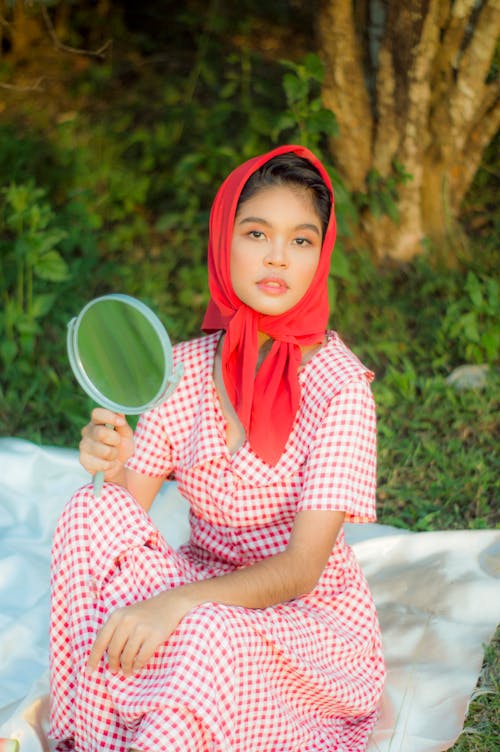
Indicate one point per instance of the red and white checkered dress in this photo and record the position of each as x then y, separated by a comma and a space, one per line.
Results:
302, 676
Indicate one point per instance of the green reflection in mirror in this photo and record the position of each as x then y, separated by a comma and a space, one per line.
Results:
122, 353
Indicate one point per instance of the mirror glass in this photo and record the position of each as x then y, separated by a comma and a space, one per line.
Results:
121, 354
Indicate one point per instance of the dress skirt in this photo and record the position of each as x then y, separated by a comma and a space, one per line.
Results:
294, 677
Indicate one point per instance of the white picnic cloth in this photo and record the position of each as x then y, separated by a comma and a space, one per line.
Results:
437, 594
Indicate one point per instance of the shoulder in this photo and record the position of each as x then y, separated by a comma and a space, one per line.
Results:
176, 414
331, 369
196, 357
196, 354
335, 387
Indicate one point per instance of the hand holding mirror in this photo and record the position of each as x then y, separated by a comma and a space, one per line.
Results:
121, 355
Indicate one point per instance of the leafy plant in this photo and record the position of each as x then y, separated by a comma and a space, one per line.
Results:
473, 320
306, 120
29, 260
381, 196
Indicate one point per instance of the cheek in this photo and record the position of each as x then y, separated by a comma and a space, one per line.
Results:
238, 267
309, 268
233, 263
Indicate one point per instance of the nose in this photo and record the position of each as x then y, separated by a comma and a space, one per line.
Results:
276, 255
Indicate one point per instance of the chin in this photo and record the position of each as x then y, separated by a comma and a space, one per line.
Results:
271, 310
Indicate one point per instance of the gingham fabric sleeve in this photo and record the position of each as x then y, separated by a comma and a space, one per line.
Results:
152, 454
340, 474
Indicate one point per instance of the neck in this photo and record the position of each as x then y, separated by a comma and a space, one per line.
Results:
265, 344
262, 338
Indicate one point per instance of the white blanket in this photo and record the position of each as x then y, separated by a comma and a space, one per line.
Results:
437, 594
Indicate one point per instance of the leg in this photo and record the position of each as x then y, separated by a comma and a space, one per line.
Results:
106, 553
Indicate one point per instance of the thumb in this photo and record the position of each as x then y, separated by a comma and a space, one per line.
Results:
121, 425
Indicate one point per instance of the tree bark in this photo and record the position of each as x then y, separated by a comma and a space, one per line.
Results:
345, 92
23, 29
423, 101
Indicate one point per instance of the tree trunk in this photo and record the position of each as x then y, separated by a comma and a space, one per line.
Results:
20, 26
342, 79
418, 97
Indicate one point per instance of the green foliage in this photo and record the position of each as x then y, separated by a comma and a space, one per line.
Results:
306, 120
28, 258
472, 320
47, 253
441, 317
381, 196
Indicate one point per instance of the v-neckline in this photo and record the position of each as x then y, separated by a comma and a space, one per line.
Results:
218, 402
223, 404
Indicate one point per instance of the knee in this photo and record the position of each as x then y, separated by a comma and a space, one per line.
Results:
112, 495
114, 508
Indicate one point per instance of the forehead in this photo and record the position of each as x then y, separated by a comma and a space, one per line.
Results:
285, 198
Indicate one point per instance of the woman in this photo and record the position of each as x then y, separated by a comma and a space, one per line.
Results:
260, 633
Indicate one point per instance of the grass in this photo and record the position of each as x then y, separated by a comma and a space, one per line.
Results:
438, 459
482, 727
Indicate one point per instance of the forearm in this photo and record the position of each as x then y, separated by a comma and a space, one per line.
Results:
276, 579
142, 487
273, 580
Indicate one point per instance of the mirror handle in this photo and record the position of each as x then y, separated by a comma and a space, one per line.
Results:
98, 483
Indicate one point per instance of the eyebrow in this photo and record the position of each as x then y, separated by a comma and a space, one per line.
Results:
262, 221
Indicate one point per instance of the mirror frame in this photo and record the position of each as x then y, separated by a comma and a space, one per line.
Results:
171, 377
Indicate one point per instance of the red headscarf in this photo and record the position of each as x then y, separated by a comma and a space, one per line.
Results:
266, 402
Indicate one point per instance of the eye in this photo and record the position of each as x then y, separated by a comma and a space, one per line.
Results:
257, 234
302, 241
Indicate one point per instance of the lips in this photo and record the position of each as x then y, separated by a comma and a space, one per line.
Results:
272, 285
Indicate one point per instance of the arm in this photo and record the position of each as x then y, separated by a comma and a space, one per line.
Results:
132, 634
279, 578
340, 475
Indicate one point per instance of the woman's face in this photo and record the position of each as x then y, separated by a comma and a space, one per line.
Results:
275, 248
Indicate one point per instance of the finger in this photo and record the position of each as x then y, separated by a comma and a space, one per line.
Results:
146, 652
131, 649
115, 651
100, 415
125, 431
100, 433
104, 435
93, 465
100, 645
96, 455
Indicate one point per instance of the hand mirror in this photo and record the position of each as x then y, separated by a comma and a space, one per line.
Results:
121, 355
